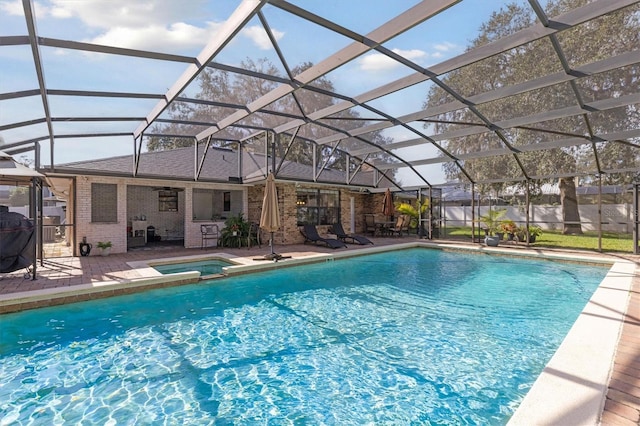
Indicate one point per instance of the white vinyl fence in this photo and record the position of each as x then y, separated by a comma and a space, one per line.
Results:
615, 217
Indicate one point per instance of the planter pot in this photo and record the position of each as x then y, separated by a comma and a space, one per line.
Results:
106, 251
492, 241
523, 238
85, 249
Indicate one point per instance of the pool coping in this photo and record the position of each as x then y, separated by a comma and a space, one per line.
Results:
572, 387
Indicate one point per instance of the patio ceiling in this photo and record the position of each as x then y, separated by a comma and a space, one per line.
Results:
382, 123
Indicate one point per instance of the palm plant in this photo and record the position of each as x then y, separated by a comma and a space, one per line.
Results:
492, 220
414, 212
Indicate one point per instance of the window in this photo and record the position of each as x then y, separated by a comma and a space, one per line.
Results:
318, 206
202, 205
226, 201
168, 201
215, 204
104, 202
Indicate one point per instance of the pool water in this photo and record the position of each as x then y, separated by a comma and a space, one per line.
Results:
417, 336
205, 267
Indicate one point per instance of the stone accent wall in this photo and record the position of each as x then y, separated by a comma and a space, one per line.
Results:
289, 233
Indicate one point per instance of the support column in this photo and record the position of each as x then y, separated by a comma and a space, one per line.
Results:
473, 215
636, 218
526, 209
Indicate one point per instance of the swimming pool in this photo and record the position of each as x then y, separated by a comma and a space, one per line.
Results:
418, 335
205, 267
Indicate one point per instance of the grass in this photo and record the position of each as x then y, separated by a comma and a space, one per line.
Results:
611, 241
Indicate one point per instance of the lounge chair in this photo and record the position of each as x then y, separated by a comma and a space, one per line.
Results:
343, 236
310, 234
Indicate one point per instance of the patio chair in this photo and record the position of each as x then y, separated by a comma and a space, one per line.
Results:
370, 224
402, 225
310, 234
343, 236
254, 235
209, 232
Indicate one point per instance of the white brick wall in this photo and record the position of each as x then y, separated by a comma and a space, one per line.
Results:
134, 195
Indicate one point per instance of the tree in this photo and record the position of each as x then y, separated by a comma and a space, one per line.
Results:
19, 196
230, 89
583, 44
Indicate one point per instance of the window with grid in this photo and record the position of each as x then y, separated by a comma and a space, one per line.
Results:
104, 202
318, 206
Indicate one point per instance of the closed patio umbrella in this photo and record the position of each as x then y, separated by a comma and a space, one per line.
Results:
270, 216
387, 204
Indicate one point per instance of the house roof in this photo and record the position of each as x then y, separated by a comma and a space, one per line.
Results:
219, 165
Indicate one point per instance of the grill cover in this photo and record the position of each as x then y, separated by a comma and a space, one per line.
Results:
17, 241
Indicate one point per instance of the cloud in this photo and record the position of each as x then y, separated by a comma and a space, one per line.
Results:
445, 47
155, 37
107, 14
158, 25
377, 62
13, 8
259, 36
380, 62
140, 24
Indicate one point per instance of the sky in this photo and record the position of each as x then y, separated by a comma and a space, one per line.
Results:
183, 28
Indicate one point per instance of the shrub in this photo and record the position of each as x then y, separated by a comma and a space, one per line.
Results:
104, 244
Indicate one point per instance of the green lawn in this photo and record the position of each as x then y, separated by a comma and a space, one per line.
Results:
588, 241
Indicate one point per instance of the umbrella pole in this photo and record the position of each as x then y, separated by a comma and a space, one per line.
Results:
271, 244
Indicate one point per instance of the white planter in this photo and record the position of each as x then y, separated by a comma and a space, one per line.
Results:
106, 251
492, 241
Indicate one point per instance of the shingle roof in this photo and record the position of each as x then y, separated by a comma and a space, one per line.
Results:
220, 165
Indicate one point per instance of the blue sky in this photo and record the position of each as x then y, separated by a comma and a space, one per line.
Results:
184, 27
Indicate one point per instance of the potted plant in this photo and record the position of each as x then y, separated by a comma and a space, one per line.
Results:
105, 247
510, 228
492, 221
534, 231
235, 228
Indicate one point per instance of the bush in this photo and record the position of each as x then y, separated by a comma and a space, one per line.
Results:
104, 244
534, 231
508, 226
238, 225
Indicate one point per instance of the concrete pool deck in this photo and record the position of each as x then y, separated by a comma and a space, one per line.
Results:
600, 356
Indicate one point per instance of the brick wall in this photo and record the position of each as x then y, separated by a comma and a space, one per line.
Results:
181, 224
115, 232
172, 224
